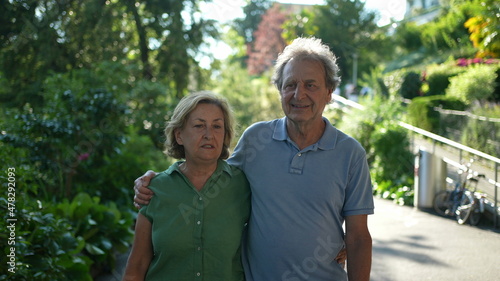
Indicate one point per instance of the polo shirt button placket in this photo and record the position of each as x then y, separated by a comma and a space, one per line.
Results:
198, 237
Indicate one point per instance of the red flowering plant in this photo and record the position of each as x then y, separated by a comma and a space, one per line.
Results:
466, 62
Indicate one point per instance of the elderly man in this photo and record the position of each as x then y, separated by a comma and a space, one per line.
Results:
307, 178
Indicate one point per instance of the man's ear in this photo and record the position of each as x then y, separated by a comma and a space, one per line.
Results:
330, 93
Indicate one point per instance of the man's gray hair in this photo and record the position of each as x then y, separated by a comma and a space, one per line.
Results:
308, 48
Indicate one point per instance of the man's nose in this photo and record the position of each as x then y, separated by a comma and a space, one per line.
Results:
300, 91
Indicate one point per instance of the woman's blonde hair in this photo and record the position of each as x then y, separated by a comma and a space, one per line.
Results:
181, 114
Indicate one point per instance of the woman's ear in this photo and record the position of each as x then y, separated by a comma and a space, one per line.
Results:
178, 138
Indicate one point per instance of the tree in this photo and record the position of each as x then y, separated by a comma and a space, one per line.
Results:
407, 36
160, 39
253, 15
446, 32
349, 30
268, 42
299, 25
483, 28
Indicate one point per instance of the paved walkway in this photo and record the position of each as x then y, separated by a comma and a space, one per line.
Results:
410, 244
414, 245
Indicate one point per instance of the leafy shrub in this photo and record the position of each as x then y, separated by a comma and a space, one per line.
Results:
411, 85
104, 229
477, 83
483, 134
438, 77
447, 31
393, 159
407, 35
386, 144
46, 248
402, 195
421, 111
73, 129
360, 124
394, 80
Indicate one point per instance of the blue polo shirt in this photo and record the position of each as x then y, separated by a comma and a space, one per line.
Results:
299, 201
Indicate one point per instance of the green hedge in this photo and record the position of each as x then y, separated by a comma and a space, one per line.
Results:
386, 144
477, 83
438, 77
421, 111
411, 87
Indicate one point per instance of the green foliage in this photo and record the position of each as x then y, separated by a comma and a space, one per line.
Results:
438, 77
421, 111
113, 182
476, 84
393, 159
447, 31
46, 247
151, 106
104, 229
72, 240
402, 195
483, 27
299, 25
253, 14
394, 81
386, 144
75, 127
349, 30
252, 99
39, 38
75, 141
375, 81
407, 36
411, 86
483, 133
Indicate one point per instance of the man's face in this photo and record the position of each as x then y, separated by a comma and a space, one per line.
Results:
304, 94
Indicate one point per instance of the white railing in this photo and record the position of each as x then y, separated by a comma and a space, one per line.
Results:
436, 138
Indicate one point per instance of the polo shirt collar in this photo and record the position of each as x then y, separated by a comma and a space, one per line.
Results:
326, 142
222, 166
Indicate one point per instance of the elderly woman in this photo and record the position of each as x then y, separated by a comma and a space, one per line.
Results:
193, 226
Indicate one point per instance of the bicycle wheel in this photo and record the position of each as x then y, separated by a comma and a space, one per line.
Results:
464, 210
441, 202
475, 215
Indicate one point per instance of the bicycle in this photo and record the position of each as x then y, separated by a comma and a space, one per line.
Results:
472, 207
461, 201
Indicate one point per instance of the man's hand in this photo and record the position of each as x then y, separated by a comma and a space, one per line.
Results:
142, 193
341, 257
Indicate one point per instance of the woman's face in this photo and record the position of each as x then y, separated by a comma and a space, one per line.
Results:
203, 134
